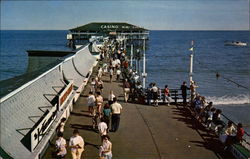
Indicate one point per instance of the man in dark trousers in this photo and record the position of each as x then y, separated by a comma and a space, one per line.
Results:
184, 89
116, 112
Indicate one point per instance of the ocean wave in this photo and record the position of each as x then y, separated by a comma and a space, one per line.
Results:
230, 100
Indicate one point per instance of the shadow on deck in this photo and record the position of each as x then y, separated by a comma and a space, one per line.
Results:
210, 139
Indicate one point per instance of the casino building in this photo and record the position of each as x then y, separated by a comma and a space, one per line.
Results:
116, 30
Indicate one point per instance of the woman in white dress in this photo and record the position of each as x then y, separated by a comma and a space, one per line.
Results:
106, 148
60, 146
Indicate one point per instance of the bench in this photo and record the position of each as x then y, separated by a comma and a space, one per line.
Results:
240, 152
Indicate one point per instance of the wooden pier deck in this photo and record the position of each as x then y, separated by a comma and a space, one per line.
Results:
146, 132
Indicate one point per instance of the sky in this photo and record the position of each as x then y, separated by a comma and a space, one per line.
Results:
150, 14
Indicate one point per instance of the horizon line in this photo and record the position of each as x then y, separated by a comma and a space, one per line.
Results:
149, 29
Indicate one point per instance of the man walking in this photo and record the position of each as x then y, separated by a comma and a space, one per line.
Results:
116, 112
91, 103
184, 89
76, 143
154, 91
102, 127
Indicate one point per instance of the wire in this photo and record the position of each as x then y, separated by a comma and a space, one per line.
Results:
219, 75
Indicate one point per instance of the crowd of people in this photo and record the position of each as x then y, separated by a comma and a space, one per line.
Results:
203, 111
105, 115
211, 118
154, 95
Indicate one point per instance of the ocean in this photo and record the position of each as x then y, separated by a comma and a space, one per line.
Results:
14, 43
167, 62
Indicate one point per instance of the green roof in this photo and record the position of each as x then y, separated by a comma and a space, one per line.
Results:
4, 155
107, 27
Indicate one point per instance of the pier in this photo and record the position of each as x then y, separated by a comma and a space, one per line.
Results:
145, 131
31, 113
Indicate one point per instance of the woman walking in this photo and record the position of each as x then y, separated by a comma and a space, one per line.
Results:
99, 102
106, 114
111, 97
60, 146
106, 148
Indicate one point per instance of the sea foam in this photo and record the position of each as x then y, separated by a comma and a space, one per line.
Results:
230, 100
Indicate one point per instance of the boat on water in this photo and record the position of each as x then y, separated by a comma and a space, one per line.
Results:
234, 43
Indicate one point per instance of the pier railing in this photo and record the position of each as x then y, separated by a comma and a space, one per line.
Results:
246, 137
176, 97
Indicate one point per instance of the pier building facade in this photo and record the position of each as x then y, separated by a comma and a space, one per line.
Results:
114, 30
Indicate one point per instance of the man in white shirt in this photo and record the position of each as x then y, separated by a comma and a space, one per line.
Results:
154, 91
118, 63
116, 112
102, 127
76, 143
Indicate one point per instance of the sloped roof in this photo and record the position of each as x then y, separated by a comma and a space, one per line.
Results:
107, 27
22, 109
15, 111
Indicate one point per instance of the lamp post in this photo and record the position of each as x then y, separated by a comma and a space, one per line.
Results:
144, 74
131, 56
191, 62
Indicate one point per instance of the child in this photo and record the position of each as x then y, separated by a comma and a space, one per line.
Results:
94, 120
60, 127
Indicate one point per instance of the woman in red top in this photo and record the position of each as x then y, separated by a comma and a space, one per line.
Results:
167, 95
240, 133
237, 138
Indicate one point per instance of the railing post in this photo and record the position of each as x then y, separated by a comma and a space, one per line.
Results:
175, 94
